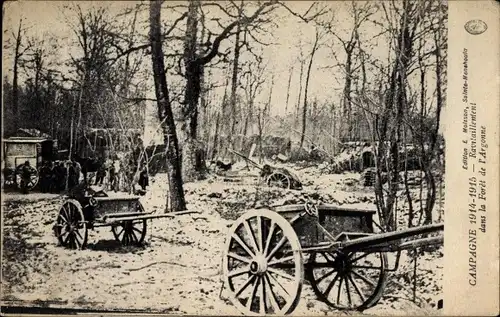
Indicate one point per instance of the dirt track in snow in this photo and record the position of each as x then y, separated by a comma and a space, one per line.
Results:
178, 270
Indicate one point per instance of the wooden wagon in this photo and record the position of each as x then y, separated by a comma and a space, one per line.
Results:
17, 151
86, 209
270, 252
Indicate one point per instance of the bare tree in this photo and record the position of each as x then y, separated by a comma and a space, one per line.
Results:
19, 50
165, 109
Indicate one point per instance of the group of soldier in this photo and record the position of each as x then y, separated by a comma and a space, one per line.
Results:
55, 176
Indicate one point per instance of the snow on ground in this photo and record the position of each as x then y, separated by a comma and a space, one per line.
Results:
178, 270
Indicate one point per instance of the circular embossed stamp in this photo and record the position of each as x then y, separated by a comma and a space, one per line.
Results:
476, 26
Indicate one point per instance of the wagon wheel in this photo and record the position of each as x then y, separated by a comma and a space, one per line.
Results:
263, 265
33, 180
71, 227
352, 281
278, 179
131, 232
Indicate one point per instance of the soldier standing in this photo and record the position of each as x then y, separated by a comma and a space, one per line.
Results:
25, 177
101, 173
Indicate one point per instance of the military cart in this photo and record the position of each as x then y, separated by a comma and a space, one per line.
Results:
17, 151
269, 253
274, 176
87, 209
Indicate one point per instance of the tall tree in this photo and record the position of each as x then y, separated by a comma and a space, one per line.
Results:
309, 67
165, 109
19, 51
192, 167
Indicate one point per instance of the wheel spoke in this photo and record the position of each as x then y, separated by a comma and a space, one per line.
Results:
262, 297
366, 267
364, 278
119, 233
78, 244
62, 233
278, 261
287, 276
130, 238
324, 276
329, 260
239, 272
260, 236
243, 244
238, 257
63, 218
78, 233
339, 290
245, 285
272, 298
359, 257
253, 293
65, 241
276, 248
252, 236
330, 286
278, 283
348, 292
134, 237
356, 288
137, 230
66, 213
269, 236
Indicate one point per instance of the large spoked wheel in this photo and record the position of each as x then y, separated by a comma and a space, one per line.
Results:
352, 281
71, 227
131, 232
33, 178
278, 180
263, 264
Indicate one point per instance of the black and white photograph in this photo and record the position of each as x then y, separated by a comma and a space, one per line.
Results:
224, 157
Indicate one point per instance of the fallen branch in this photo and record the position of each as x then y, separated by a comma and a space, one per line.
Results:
154, 263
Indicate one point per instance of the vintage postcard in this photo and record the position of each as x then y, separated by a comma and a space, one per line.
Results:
301, 158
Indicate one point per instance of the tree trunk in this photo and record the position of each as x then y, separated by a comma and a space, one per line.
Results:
216, 136
347, 111
234, 85
288, 89
304, 110
15, 86
268, 105
165, 110
300, 92
192, 163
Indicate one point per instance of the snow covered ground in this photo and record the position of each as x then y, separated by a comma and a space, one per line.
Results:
178, 271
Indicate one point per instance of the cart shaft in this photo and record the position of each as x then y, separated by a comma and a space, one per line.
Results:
392, 247
146, 217
376, 239
124, 214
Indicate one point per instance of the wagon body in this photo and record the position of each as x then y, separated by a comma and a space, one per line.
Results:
333, 218
18, 150
113, 206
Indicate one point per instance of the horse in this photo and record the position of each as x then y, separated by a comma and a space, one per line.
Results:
89, 165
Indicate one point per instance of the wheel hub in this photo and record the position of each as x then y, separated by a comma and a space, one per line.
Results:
258, 265
342, 264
